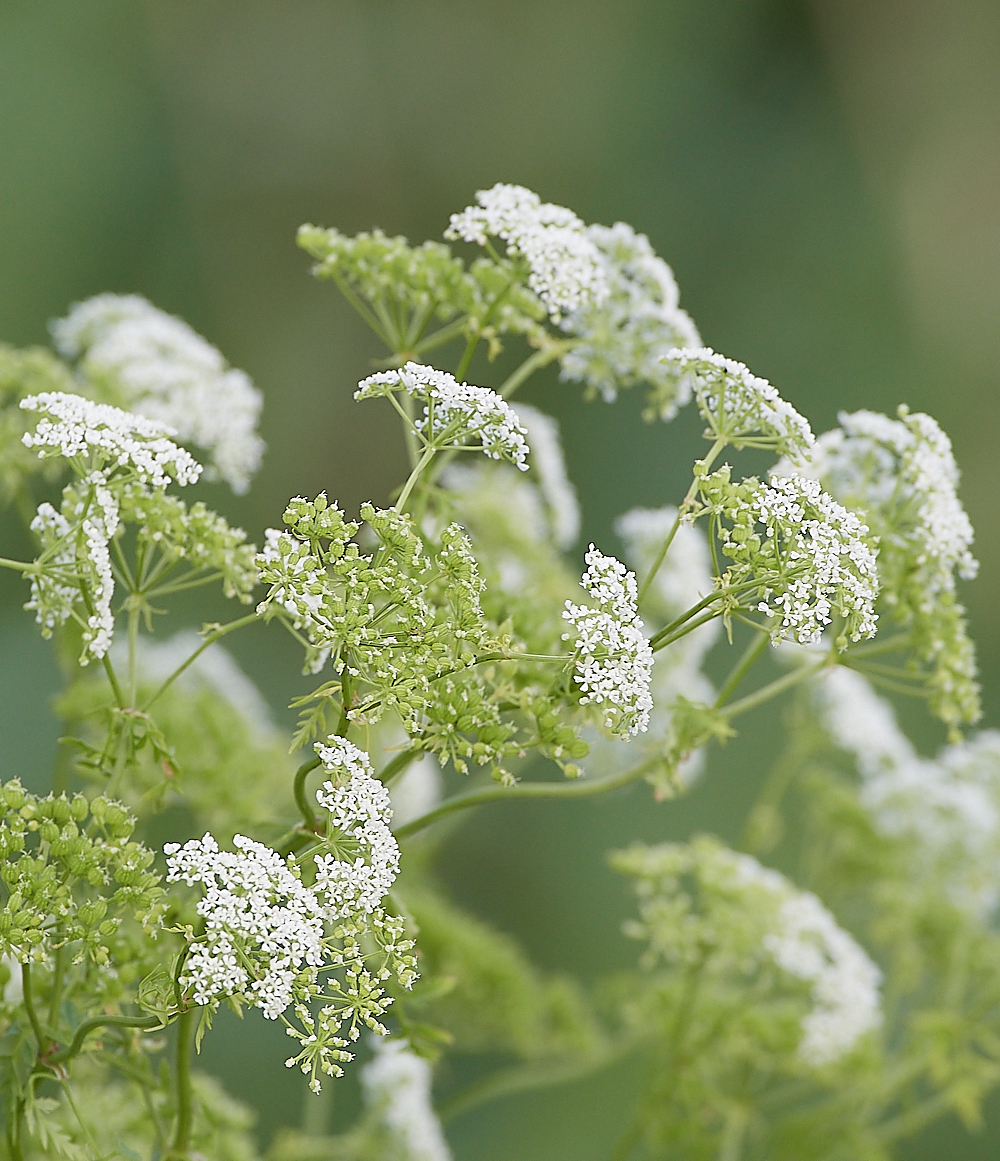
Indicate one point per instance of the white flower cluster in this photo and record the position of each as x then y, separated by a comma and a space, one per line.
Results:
107, 446
614, 662
740, 407
809, 944
263, 926
454, 412
623, 339
838, 568
948, 806
78, 428
550, 467
908, 464
397, 1091
565, 266
684, 577
163, 369
256, 912
361, 811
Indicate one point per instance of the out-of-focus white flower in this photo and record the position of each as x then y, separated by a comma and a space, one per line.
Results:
454, 412
163, 369
614, 662
550, 466
397, 1089
740, 407
566, 271
624, 338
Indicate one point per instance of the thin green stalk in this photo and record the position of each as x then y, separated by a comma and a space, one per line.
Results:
57, 985
767, 692
109, 669
397, 767
750, 657
466, 359
299, 791
530, 365
219, 633
20, 565
441, 336
362, 309
134, 613
577, 789
95, 1022
29, 1007
418, 471
409, 410
79, 1120
182, 1133
685, 629
686, 503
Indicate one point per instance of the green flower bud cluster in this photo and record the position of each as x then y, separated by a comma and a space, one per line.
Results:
196, 535
70, 874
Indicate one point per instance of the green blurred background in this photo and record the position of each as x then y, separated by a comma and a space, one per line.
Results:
824, 178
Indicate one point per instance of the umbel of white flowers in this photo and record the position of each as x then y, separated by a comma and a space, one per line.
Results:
156, 365
614, 661
565, 268
108, 449
454, 412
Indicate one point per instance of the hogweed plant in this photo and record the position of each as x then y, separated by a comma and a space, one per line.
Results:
826, 1011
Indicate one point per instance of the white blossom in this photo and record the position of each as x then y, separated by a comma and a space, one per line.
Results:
740, 407
550, 466
840, 570
565, 266
948, 806
808, 943
360, 810
254, 909
614, 661
397, 1089
624, 338
163, 369
75, 427
454, 412
52, 599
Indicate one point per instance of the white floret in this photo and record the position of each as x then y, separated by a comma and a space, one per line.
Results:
565, 267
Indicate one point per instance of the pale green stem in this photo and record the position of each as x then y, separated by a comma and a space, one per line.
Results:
530, 365
96, 1022
20, 565
29, 1007
182, 1134
685, 505
133, 650
750, 657
209, 640
527, 790
422, 464
767, 692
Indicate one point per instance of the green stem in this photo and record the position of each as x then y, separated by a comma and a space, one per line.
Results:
530, 365
20, 565
767, 692
713, 453
182, 1134
95, 1022
409, 408
397, 767
750, 657
29, 1007
369, 317
527, 790
109, 669
418, 471
133, 650
57, 986
466, 359
219, 633
442, 335
299, 790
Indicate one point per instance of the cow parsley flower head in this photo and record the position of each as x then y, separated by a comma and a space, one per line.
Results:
947, 807
813, 557
614, 661
397, 1091
622, 340
550, 467
360, 811
454, 412
261, 923
107, 438
742, 914
738, 406
565, 267
900, 476
156, 365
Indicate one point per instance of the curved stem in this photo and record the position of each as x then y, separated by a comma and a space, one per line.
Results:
299, 790
116, 689
418, 471
530, 365
766, 692
577, 789
219, 633
95, 1022
397, 767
